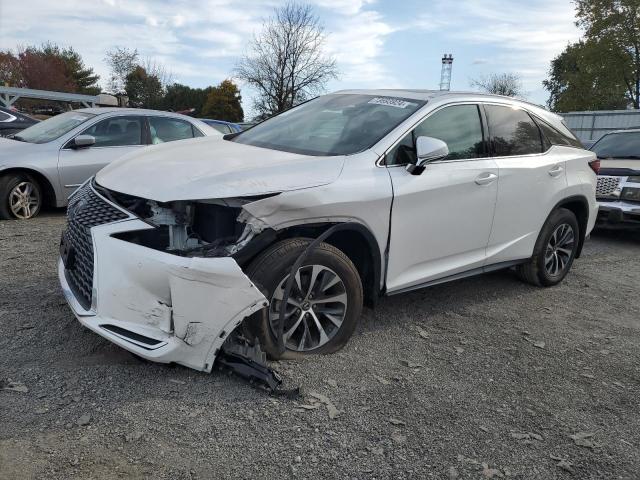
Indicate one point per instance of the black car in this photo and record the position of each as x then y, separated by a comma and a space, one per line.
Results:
12, 121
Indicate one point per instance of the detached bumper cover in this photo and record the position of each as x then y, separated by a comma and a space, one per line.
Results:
162, 307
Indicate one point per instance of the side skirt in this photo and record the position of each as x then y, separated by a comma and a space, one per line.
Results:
469, 273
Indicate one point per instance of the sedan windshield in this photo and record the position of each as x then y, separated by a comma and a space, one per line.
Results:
54, 127
340, 124
618, 145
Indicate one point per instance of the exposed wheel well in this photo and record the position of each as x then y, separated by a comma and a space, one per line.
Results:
47, 188
358, 244
580, 208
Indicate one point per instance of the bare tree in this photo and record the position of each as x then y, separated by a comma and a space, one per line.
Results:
286, 64
122, 62
160, 71
507, 84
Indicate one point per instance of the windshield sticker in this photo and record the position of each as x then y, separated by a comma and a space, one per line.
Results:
391, 102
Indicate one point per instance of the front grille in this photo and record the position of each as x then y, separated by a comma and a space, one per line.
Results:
607, 186
86, 209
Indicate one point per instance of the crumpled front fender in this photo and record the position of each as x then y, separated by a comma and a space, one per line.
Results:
160, 306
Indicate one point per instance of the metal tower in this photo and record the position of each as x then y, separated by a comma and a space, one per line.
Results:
445, 76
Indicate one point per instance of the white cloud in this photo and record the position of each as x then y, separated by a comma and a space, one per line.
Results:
522, 37
358, 46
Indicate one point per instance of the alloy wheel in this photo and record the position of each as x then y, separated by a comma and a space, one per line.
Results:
24, 200
315, 309
559, 250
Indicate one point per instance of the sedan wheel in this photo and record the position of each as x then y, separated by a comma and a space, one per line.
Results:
24, 200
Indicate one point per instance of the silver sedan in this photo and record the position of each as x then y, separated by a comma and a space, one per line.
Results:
45, 163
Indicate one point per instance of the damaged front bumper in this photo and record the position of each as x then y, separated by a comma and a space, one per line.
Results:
162, 307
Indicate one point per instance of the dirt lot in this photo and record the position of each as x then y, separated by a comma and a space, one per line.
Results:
482, 378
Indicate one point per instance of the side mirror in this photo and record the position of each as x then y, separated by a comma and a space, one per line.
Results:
428, 149
83, 141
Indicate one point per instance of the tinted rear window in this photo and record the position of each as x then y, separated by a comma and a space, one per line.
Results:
512, 131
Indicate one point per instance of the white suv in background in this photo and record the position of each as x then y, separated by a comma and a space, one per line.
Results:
287, 228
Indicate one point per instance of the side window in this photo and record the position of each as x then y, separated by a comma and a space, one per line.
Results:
116, 132
459, 126
512, 131
196, 132
222, 128
4, 117
165, 129
555, 137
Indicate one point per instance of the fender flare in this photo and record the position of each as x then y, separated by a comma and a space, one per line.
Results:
585, 204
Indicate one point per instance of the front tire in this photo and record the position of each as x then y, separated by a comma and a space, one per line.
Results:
324, 305
20, 197
554, 251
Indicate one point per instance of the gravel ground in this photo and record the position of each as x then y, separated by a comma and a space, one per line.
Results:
482, 378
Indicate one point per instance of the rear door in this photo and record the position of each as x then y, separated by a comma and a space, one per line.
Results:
441, 219
115, 136
168, 129
532, 180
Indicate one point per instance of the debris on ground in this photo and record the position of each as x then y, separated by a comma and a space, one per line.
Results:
331, 408
527, 436
422, 332
13, 386
84, 420
563, 463
410, 364
584, 439
382, 380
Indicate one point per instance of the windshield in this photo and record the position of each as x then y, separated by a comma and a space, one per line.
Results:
618, 145
53, 128
332, 124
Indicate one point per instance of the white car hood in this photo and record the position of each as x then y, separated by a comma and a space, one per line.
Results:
206, 168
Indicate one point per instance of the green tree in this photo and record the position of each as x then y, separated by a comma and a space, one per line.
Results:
144, 90
616, 23
587, 75
181, 97
224, 103
603, 69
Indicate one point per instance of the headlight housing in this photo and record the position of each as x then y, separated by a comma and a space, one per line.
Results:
630, 194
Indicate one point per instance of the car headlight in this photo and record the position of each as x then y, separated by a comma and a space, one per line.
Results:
634, 179
630, 194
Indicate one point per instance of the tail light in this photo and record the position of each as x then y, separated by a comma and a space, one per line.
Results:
595, 165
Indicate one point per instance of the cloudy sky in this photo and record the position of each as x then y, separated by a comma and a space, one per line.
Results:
377, 43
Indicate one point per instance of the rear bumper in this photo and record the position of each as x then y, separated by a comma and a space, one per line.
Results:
162, 307
619, 214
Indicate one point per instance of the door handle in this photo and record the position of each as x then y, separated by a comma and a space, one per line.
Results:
486, 178
556, 170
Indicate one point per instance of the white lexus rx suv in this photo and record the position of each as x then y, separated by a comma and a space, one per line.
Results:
275, 237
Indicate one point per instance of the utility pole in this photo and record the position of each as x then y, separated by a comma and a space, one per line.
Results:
445, 76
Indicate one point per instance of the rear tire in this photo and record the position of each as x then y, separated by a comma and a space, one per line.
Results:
20, 197
554, 251
325, 304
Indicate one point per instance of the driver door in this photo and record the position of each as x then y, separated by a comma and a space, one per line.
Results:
441, 219
115, 137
